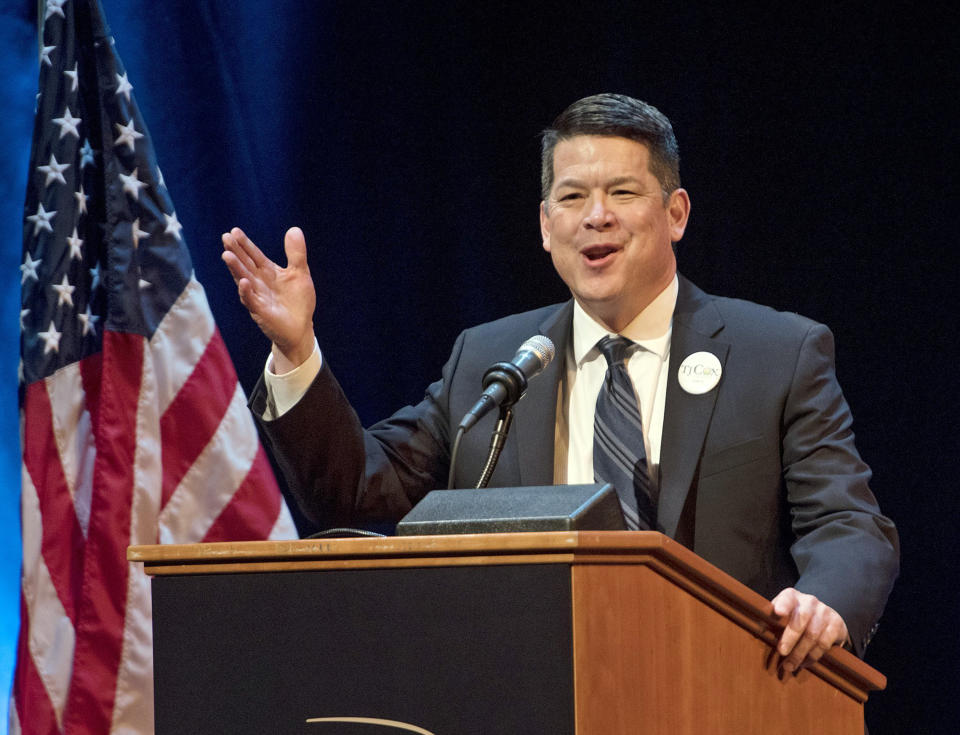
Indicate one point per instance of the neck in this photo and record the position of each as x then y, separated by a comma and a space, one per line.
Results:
616, 317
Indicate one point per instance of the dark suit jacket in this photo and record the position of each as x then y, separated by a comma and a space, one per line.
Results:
759, 476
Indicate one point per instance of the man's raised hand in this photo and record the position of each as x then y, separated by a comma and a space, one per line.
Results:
280, 300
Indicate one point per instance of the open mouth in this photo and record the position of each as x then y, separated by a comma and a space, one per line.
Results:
598, 253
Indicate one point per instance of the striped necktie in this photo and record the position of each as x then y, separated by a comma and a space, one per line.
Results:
619, 456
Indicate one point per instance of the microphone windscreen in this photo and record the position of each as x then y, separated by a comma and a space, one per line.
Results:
542, 347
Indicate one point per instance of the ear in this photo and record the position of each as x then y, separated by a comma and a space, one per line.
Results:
545, 226
678, 212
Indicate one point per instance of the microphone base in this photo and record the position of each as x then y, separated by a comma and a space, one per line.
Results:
515, 509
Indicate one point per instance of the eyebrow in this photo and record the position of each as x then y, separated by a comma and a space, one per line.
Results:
618, 181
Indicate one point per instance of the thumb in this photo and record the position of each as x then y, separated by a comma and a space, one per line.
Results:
295, 247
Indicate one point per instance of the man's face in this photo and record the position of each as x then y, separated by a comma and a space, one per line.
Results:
607, 228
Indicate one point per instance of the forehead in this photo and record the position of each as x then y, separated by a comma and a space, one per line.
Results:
590, 156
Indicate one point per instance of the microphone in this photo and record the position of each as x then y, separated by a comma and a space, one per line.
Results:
504, 383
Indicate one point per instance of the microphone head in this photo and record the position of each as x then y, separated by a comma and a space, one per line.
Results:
542, 347
504, 383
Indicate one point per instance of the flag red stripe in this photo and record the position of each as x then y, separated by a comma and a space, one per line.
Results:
100, 614
90, 370
192, 418
62, 544
34, 709
254, 508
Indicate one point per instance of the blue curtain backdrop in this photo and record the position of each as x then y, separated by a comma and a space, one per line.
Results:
18, 89
403, 138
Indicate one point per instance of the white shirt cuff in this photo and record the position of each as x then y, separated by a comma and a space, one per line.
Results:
284, 391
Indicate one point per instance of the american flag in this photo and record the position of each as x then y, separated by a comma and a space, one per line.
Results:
134, 428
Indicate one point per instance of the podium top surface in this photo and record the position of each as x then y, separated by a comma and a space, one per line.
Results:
577, 547
383, 547
663, 555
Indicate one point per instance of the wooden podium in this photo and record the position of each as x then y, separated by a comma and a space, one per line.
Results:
593, 633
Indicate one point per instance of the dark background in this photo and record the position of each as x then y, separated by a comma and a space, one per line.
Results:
817, 146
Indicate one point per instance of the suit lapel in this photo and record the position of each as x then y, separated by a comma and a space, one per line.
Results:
696, 321
535, 424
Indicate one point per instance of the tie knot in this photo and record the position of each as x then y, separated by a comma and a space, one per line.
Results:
614, 349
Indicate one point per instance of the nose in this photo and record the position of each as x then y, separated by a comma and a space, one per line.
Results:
598, 216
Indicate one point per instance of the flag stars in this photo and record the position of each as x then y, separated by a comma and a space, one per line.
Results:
173, 226
128, 135
86, 154
41, 220
76, 245
123, 86
45, 55
54, 171
132, 184
88, 322
71, 74
54, 7
95, 276
64, 292
81, 198
51, 339
68, 124
28, 269
137, 234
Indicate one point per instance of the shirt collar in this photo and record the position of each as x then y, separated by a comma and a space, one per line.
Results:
650, 329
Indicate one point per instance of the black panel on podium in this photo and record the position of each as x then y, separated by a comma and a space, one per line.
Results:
489, 651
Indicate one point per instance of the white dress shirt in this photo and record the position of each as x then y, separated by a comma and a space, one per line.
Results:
648, 367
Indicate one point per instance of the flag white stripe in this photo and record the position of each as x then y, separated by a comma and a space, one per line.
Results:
15, 728
284, 528
179, 342
73, 435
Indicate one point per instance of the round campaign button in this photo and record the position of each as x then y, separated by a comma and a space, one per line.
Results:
699, 373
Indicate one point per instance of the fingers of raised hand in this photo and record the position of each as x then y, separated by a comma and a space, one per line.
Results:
248, 278
252, 258
237, 262
235, 266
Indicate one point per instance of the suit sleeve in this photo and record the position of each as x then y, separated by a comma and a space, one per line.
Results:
342, 474
846, 551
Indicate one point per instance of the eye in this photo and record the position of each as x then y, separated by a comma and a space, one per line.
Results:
624, 193
570, 196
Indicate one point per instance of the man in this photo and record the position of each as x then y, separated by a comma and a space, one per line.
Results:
749, 456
